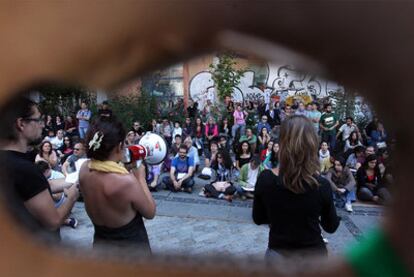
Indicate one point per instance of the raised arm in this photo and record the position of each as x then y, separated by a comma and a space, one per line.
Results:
142, 200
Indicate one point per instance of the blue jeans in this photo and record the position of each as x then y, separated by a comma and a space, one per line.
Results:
330, 139
235, 128
341, 199
82, 132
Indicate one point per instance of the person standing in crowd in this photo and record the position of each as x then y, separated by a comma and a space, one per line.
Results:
211, 131
188, 128
239, 121
248, 176
115, 211
181, 172
369, 182
342, 183
301, 110
314, 115
328, 124
192, 109
105, 111
298, 201
78, 153
83, 116
222, 187
243, 155
23, 123
47, 154
286, 112
71, 127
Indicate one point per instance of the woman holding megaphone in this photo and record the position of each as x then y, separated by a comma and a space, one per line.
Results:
115, 199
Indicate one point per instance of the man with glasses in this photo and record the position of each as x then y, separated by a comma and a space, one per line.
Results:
78, 153
30, 192
263, 124
181, 173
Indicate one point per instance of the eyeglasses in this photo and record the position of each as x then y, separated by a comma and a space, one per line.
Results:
182, 153
76, 149
264, 118
219, 157
37, 120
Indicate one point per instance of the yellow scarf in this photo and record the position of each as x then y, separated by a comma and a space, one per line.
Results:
107, 166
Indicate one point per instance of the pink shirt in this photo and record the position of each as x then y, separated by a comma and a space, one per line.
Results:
239, 118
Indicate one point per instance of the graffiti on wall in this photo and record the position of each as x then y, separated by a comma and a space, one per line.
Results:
282, 81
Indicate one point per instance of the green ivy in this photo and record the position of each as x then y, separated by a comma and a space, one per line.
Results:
225, 75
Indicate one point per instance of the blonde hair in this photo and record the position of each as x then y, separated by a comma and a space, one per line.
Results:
298, 153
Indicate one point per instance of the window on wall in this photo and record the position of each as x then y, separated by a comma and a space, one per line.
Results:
167, 82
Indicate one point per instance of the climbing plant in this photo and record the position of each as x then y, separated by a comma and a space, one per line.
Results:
225, 74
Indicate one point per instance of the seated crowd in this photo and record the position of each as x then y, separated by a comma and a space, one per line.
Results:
242, 142
232, 154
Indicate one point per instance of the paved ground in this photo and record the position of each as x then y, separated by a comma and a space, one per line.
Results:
190, 224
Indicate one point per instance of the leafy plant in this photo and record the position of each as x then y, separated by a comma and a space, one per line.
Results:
63, 100
225, 75
129, 108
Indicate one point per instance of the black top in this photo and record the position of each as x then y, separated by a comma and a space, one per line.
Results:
294, 218
243, 161
362, 178
132, 234
26, 181
105, 113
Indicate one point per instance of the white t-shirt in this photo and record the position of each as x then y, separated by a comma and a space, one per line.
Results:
252, 176
347, 130
56, 142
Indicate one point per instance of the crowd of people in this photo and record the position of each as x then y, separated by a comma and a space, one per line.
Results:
353, 159
233, 151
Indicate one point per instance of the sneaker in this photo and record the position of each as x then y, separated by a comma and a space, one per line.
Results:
325, 240
71, 222
348, 207
202, 194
